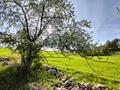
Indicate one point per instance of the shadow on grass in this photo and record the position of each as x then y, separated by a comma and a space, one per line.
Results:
10, 80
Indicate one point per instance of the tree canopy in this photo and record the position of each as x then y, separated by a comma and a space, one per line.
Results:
113, 45
31, 25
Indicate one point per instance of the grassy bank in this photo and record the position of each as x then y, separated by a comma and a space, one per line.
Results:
105, 70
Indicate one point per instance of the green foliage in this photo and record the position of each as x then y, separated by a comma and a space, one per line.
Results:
106, 49
114, 45
37, 66
10, 79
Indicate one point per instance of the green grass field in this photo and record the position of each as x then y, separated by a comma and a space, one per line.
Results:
107, 66
105, 70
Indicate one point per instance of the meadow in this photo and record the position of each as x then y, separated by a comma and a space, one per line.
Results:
103, 69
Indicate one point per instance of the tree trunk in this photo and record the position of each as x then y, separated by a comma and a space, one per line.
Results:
26, 62
25, 69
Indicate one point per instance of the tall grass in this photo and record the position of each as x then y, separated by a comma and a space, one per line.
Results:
10, 80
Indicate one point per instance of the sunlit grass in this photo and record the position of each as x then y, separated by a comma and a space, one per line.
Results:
4, 51
105, 70
107, 66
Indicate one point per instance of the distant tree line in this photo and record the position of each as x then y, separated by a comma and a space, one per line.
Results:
106, 49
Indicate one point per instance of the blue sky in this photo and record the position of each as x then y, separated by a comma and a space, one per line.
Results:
104, 17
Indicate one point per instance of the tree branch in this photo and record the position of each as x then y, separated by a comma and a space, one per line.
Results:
26, 21
40, 30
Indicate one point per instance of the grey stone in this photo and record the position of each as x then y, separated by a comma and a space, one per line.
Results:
34, 86
67, 83
88, 85
63, 79
60, 74
5, 63
95, 88
47, 67
75, 88
15, 64
101, 86
52, 71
